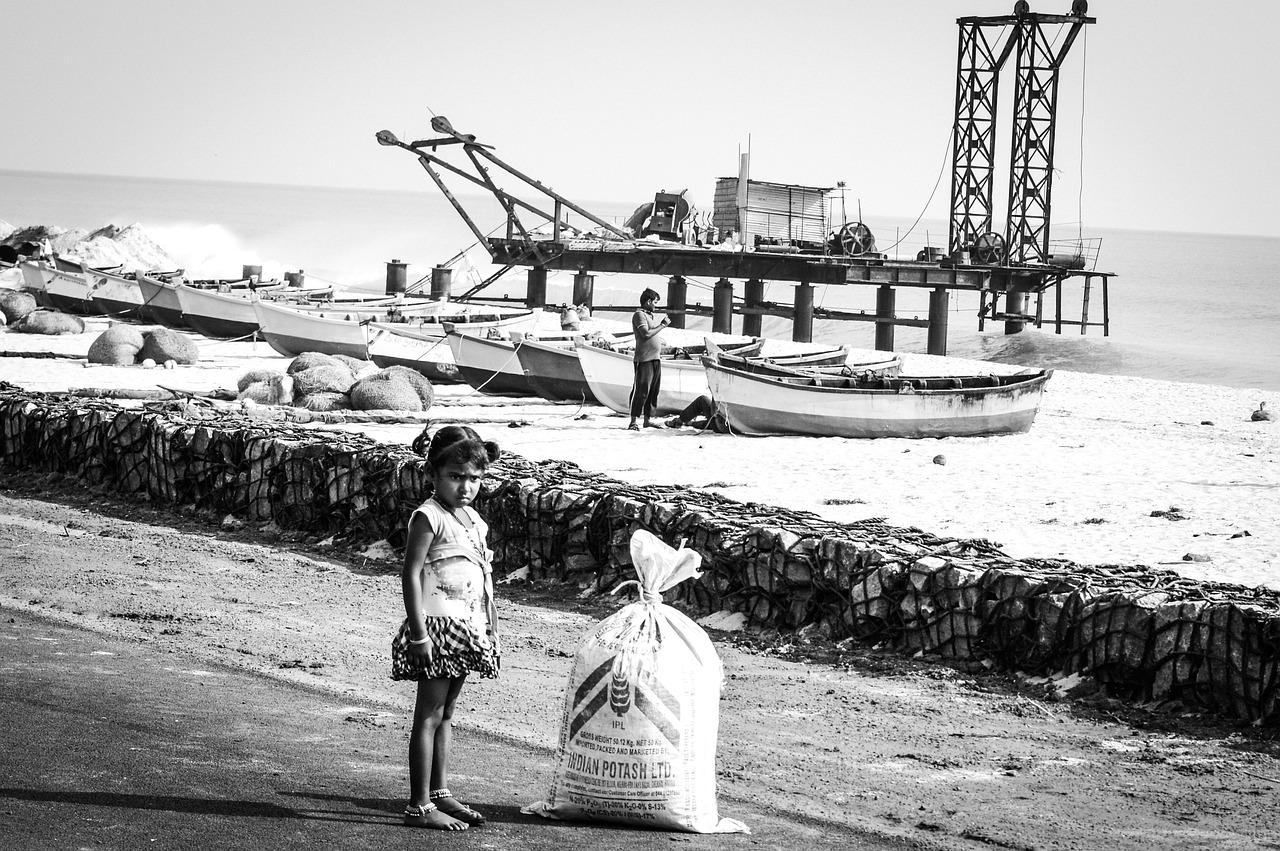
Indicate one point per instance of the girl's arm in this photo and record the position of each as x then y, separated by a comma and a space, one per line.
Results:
415, 554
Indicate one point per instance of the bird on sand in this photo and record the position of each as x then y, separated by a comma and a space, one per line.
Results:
1262, 414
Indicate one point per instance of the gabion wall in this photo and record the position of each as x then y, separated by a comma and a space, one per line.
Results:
1146, 634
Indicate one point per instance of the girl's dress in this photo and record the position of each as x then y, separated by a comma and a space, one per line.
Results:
457, 602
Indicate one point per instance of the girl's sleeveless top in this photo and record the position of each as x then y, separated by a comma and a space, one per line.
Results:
457, 601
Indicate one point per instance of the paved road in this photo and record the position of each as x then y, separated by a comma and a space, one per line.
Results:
108, 744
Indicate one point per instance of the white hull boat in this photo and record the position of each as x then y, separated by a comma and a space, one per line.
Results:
834, 406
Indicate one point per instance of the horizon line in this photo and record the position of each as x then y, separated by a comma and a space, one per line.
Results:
428, 191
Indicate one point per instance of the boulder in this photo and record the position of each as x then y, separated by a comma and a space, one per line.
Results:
384, 392
50, 322
118, 345
165, 344
15, 305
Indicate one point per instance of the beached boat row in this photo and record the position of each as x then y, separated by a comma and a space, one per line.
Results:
66, 284
820, 392
388, 330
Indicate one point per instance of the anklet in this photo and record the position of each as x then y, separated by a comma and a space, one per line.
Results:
437, 794
420, 811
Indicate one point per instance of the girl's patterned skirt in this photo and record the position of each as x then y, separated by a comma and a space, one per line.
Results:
453, 649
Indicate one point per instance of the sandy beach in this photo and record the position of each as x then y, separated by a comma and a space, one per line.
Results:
1096, 480
936, 756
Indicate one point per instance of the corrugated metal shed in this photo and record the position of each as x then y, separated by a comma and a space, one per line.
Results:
780, 211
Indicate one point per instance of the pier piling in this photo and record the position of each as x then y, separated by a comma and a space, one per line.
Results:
939, 305
397, 277
584, 289
677, 293
441, 282
886, 300
1015, 304
722, 316
752, 322
536, 295
802, 324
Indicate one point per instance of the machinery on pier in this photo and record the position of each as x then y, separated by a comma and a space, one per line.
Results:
782, 230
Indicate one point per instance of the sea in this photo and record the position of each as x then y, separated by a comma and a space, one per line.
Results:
1184, 307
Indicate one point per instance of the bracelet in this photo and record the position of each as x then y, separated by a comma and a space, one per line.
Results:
419, 640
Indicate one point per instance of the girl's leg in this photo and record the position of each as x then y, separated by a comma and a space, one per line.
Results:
440, 764
428, 712
444, 736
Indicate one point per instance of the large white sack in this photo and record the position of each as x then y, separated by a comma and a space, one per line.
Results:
642, 710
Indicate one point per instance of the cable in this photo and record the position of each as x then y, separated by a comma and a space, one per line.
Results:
936, 184
1084, 70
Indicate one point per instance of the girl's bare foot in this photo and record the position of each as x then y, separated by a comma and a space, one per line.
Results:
430, 816
453, 807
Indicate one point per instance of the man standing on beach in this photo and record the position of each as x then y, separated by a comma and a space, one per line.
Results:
648, 368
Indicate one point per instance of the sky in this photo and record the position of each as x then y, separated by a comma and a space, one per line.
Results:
1166, 109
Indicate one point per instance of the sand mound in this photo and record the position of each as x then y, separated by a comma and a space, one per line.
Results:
384, 392
307, 360
109, 245
335, 378
275, 389
50, 322
117, 345
165, 344
15, 305
421, 386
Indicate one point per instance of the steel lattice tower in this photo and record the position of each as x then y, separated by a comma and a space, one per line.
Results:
985, 44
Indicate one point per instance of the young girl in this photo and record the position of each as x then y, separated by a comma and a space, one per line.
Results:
450, 628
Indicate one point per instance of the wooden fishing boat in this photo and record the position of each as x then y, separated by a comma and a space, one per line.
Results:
225, 310
119, 295
827, 362
160, 302
492, 366
394, 344
610, 375
62, 283
343, 328
554, 371
221, 315
160, 294
67, 287
36, 275
851, 406
291, 332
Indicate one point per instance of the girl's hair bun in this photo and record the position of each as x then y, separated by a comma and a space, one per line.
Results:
455, 444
